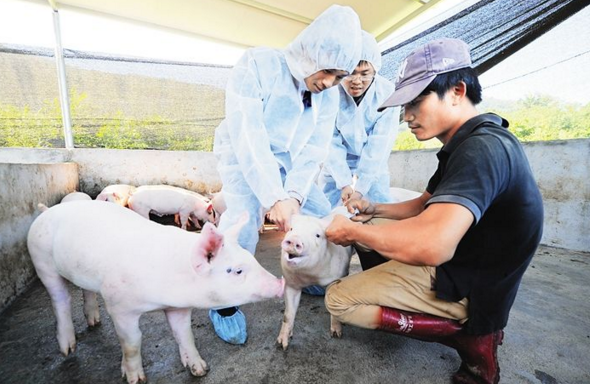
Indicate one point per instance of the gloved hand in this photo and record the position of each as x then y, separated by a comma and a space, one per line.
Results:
363, 210
281, 213
348, 194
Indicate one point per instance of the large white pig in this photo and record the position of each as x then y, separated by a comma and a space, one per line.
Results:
308, 258
139, 266
169, 200
116, 193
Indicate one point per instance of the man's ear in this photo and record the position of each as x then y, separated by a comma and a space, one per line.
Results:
459, 91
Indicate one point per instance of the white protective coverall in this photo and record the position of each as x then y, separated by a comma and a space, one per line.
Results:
269, 146
363, 138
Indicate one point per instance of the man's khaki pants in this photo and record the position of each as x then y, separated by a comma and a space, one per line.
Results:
357, 299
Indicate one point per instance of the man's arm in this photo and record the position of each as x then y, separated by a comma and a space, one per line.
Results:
365, 210
429, 238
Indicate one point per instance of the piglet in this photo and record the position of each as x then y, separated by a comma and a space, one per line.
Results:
74, 196
169, 200
116, 193
219, 206
308, 258
139, 266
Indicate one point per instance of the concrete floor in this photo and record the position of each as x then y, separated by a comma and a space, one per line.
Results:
547, 339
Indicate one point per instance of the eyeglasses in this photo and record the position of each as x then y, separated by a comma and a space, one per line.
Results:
364, 78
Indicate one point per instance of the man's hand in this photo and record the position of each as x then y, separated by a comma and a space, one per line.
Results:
281, 213
340, 231
363, 210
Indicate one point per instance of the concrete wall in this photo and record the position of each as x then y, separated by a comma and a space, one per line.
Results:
562, 171
29, 176
22, 186
195, 171
98, 168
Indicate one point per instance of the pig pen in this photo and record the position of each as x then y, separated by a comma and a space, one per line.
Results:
547, 339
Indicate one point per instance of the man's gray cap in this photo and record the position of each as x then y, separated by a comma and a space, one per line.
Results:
423, 64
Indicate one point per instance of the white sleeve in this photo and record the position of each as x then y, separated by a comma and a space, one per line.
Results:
248, 134
377, 149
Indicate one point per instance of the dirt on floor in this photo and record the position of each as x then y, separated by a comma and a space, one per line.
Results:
547, 339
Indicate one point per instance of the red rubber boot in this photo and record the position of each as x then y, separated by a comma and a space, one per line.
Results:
417, 325
479, 358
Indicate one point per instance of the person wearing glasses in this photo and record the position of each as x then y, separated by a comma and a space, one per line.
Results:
363, 138
280, 109
448, 264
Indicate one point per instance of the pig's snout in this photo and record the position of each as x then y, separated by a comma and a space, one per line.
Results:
292, 245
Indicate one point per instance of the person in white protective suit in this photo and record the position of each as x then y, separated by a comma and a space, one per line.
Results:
280, 113
363, 138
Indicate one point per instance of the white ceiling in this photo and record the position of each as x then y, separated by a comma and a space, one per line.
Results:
247, 23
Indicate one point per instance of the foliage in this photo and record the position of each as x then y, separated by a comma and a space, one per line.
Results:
533, 118
43, 128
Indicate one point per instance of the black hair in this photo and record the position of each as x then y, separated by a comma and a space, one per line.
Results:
443, 82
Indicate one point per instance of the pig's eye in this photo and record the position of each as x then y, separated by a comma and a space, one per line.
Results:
317, 235
228, 270
238, 271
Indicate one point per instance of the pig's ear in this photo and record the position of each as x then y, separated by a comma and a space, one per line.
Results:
325, 222
207, 248
210, 208
339, 210
232, 233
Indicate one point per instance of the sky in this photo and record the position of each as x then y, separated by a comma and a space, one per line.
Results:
555, 64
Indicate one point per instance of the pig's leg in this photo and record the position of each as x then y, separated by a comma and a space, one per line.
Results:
183, 219
127, 327
142, 210
91, 308
195, 220
335, 327
61, 302
180, 323
292, 296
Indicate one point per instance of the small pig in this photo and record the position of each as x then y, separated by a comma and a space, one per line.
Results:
308, 258
169, 200
116, 193
74, 196
139, 266
218, 203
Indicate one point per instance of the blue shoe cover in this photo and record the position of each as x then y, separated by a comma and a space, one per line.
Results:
231, 329
314, 290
